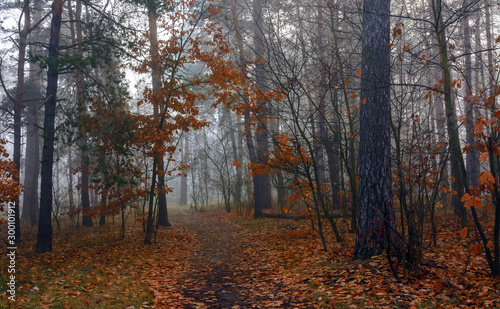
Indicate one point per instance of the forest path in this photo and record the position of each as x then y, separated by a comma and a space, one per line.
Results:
223, 268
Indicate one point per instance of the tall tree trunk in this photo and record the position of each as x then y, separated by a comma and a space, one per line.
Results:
242, 63
44, 240
472, 163
156, 78
262, 189
375, 214
320, 133
457, 162
32, 165
82, 107
439, 114
23, 36
332, 140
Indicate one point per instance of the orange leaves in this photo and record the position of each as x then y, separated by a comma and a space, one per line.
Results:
471, 201
489, 244
406, 48
466, 148
463, 232
476, 249
483, 157
9, 188
293, 159
397, 30
486, 179
259, 168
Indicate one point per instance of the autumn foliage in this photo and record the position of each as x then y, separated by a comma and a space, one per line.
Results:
9, 187
194, 66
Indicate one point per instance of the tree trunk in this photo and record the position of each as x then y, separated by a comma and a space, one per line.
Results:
23, 35
184, 187
156, 77
472, 163
82, 106
242, 60
375, 213
457, 162
32, 163
44, 240
262, 189
237, 157
332, 140
489, 46
70, 182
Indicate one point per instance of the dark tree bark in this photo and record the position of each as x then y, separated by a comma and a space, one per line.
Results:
262, 183
44, 241
156, 76
375, 188
457, 162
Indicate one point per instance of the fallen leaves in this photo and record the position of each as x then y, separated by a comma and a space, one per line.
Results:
451, 275
208, 259
90, 268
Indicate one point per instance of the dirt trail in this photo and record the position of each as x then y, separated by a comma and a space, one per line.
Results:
215, 285
224, 269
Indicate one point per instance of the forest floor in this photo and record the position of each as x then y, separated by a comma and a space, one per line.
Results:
217, 260
238, 262
224, 269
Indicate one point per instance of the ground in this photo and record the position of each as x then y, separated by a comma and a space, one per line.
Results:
217, 260
221, 271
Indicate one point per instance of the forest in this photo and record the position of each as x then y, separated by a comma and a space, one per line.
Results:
249, 154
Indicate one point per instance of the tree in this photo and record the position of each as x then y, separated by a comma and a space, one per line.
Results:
182, 85
23, 40
375, 214
44, 241
156, 78
33, 101
77, 38
183, 200
262, 182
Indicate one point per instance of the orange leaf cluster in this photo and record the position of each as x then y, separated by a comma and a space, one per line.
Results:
9, 187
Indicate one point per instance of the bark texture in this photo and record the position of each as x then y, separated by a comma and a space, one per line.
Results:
262, 183
44, 241
375, 189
